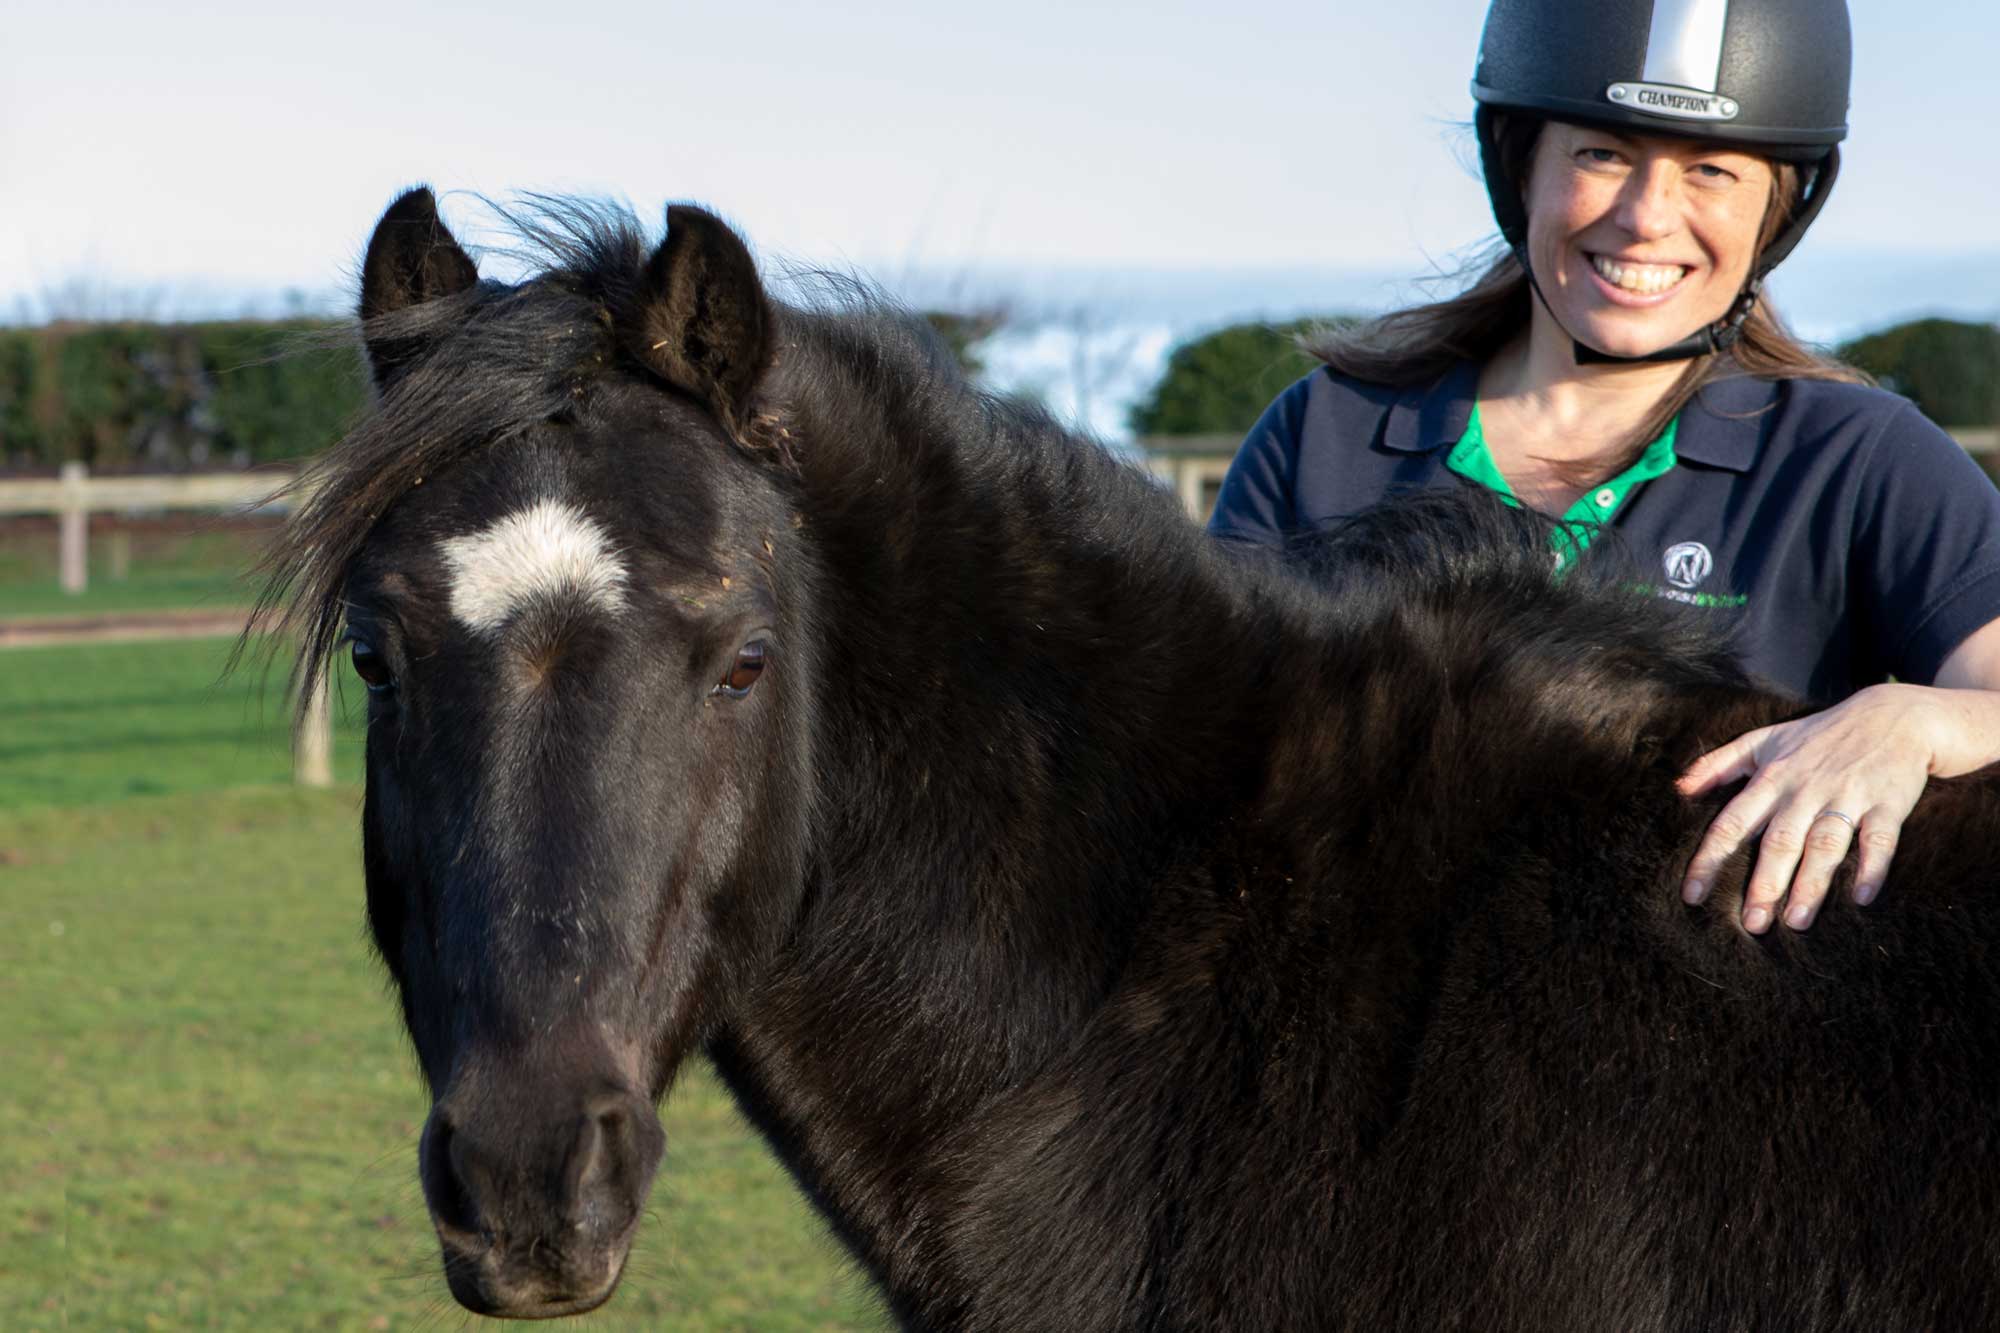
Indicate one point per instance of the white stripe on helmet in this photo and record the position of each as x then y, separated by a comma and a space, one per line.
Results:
1684, 48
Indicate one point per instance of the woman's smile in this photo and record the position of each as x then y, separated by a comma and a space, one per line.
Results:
1634, 282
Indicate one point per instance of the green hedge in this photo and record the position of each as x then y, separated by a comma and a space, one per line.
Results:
1219, 383
1949, 368
206, 395
122, 396
119, 396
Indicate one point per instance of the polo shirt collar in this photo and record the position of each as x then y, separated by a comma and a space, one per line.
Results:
1724, 426
1427, 419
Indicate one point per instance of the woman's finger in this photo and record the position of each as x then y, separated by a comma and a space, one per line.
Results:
1880, 830
1724, 764
1778, 852
1827, 839
1734, 825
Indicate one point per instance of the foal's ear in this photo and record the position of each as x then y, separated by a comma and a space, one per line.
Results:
704, 326
412, 258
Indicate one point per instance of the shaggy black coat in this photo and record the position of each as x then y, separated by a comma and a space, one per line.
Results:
1186, 942
1196, 951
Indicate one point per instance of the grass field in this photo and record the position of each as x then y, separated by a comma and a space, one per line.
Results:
207, 1111
94, 722
195, 565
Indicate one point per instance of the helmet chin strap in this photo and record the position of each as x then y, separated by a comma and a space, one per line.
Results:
1720, 336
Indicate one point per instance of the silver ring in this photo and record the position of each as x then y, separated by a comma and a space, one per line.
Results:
1835, 814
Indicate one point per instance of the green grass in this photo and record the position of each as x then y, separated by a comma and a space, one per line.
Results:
200, 569
208, 1114
84, 723
144, 591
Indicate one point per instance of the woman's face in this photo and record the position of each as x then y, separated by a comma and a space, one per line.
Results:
1638, 242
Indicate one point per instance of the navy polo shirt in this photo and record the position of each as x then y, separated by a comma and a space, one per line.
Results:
1844, 537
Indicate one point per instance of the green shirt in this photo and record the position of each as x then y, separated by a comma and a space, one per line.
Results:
1470, 458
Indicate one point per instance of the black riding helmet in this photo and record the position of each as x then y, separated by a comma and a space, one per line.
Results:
1766, 76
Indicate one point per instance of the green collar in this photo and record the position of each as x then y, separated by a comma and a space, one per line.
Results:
1471, 459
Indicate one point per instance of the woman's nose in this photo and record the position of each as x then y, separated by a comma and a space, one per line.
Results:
1650, 206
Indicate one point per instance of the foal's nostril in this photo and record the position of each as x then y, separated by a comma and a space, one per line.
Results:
611, 1163
534, 1196
442, 1168
583, 1172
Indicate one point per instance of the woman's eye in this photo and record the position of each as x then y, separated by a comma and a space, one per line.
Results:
1710, 172
743, 673
374, 672
1601, 157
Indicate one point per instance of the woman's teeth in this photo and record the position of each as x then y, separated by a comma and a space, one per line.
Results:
1644, 279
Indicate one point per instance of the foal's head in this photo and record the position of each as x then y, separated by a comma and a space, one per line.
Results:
568, 574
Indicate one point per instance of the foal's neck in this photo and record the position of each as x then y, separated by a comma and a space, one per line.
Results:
1040, 680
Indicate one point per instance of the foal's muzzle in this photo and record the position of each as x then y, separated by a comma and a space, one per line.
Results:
536, 1206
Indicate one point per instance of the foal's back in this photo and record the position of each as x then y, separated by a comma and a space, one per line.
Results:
1425, 1038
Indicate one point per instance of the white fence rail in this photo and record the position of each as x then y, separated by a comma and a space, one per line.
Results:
74, 495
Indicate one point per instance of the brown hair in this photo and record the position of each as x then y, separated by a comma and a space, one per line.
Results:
1418, 345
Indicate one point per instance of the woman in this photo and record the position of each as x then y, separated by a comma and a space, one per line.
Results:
1649, 163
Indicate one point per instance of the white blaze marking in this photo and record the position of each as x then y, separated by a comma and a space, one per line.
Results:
548, 550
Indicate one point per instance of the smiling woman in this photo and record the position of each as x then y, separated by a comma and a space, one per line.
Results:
1619, 368
1629, 235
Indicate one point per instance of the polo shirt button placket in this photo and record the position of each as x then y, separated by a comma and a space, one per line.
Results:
1606, 498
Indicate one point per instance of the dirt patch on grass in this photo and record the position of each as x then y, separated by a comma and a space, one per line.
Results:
122, 626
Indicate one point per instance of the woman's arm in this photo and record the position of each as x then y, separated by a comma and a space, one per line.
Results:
1866, 758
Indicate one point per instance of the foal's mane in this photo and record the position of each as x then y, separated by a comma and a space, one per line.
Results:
501, 358
853, 367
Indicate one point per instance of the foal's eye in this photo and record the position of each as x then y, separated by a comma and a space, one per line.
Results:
744, 671
374, 672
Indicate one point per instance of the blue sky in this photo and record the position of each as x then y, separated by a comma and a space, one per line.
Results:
245, 147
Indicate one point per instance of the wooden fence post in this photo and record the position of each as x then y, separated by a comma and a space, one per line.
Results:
312, 746
1187, 480
73, 530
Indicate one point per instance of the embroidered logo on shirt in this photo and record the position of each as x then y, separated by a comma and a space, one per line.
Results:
1688, 563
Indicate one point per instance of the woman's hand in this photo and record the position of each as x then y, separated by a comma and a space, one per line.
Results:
1822, 783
